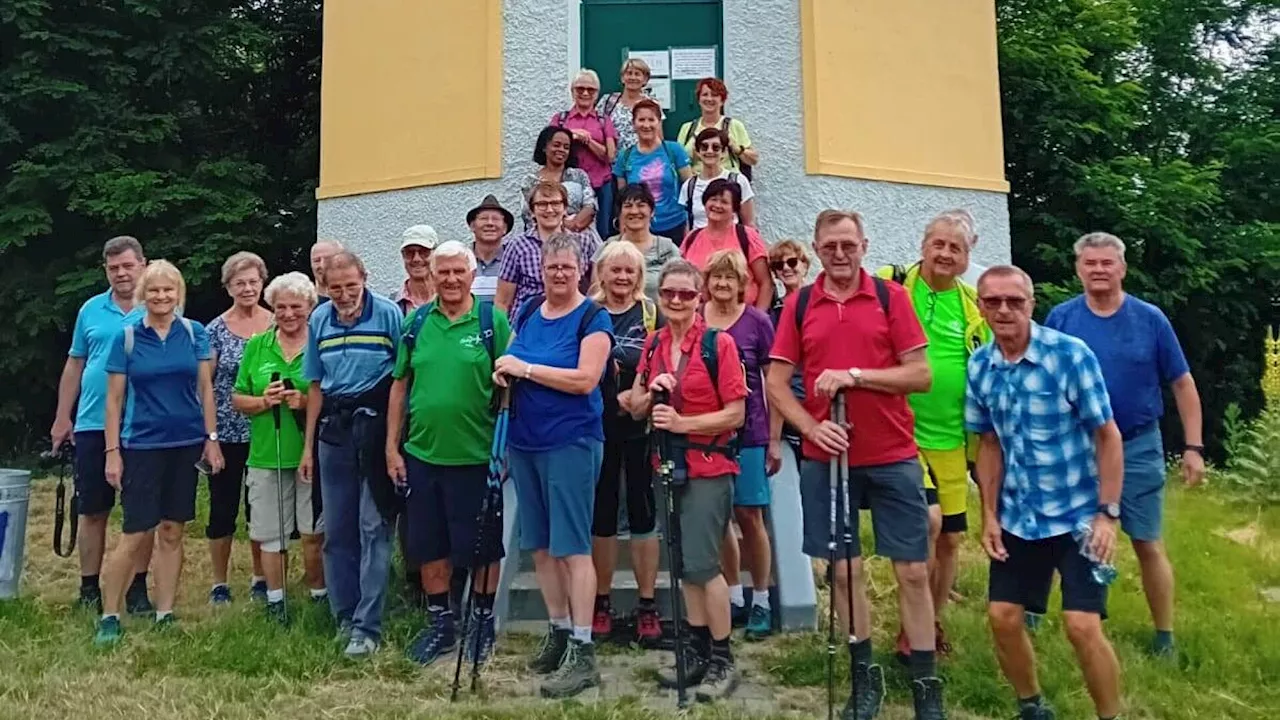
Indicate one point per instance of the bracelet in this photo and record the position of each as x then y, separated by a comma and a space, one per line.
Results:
1198, 449
113, 448
528, 371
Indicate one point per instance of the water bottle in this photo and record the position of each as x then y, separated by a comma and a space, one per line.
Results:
1102, 573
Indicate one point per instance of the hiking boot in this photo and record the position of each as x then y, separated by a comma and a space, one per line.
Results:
759, 624
546, 659
720, 680
940, 642
576, 673
739, 615
109, 632
1039, 711
220, 595
278, 613
90, 599
648, 626
902, 647
602, 623
435, 642
360, 647
695, 669
136, 601
927, 694
258, 590
868, 695
480, 631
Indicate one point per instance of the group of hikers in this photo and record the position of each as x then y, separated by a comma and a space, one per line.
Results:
673, 360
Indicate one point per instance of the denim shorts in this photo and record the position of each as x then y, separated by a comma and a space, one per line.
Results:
751, 488
895, 494
556, 490
1142, 496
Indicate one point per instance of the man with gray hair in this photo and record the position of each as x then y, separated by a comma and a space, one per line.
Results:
83, 387
1139, 353
452, 341
320, 254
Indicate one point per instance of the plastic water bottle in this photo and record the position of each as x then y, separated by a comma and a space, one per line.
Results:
1102, 573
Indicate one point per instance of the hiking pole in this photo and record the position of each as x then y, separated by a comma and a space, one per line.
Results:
492, 503
284, 567
833, 484
842, 421
666, 474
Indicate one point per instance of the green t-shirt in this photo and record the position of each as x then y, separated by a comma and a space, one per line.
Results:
262, 357
450, 422
940, 412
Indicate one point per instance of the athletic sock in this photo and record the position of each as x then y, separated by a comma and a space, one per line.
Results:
162, 614
760, 598
735, 596
484, 604
561, 623
701, 637
720, 649
1031, 702
603, 603
319, 593
218, 585
275, 596
438, 603
582, 634
648, 603
859, 654
923, 664
113, 616
88, 581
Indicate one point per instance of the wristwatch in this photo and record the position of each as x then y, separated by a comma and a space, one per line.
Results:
856, 374
1111, 510
1198, 449
213, 436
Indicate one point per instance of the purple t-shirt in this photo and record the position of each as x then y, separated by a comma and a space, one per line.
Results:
754, 334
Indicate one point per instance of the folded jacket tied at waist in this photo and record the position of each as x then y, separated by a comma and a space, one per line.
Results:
360, 422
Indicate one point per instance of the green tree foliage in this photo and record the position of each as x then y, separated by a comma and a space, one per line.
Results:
191, 124
1159, 121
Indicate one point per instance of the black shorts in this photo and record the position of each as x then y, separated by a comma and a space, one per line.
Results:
96, 495
225, 492
1027, 576
159, 485
631, 455
442, 514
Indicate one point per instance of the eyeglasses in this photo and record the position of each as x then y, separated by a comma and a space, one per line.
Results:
584, 90
995, 302
684, 295
245, 284
777, 265
547, 204
561, 269
712, 147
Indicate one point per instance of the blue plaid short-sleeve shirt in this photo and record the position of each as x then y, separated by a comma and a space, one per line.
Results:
1044, 408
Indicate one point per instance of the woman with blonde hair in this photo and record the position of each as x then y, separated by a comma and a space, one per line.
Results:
617, 105
726, 279
620, 272
243, 276
160, 421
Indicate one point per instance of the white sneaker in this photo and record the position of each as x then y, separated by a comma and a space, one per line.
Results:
360, 646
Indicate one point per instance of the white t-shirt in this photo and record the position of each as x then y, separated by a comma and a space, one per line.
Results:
699, 186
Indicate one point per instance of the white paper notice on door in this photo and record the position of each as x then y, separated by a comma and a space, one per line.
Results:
660, 90
658, 61
693, 63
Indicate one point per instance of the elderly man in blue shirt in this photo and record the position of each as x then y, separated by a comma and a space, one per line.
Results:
1049, 465
1139, 353
351, 350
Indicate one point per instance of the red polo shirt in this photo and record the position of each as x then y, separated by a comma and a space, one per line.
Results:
696, 394
855, 333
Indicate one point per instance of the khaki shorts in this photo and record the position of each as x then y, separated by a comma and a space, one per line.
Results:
264, 507
705, 505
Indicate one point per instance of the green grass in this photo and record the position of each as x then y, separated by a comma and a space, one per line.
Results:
235, 664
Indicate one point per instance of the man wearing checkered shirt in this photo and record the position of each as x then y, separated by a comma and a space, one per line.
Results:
1050, 458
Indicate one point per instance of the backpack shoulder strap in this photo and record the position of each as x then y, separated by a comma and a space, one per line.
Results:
685, 131
528, 309
649, 312
725, 122
692, 184
486, 329
743, 241
191, 331
688, 241
416, 319
611, 103
561, 118
128, 340
626, 160
899, 274
802, 304
584, 322
711, 356
882, 293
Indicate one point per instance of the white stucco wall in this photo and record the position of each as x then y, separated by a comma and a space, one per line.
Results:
765, 85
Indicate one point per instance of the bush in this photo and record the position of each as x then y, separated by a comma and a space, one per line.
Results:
1253, 470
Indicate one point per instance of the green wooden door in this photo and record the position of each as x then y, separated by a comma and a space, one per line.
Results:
612, 28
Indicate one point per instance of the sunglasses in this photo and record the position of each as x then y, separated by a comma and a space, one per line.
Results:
711, 147
584, 90
684, 295
777, 265
996, 302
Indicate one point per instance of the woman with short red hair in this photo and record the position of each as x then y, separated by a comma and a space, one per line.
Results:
739, 155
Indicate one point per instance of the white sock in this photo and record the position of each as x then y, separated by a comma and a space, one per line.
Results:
582, 634
760, 598
254, 580
735, 595
322, 592
562, 624
275, 596
218, 585
115, 616
162, 614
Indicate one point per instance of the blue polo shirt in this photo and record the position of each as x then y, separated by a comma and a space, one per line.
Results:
162, 406
1137, 349
350, 359
97, 324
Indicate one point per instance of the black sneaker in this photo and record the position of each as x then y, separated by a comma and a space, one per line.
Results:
720, 680
577, 672
1039, 711
136, 601
278, 613
695, 669
868, 696
739, 615
90, 599
546, 659
927, 695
